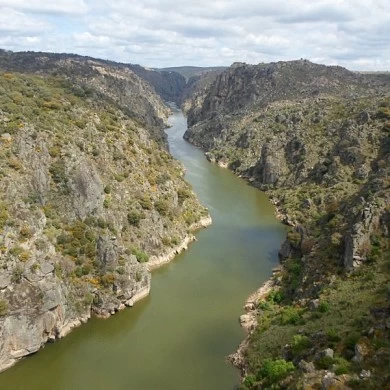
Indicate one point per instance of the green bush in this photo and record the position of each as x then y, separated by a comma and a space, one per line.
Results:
266, 305
342, 366
78, 272
57, 171
166, 241
162, 207
249, 381
17, 274
3, 307
183, 194
332, 335
141, 256
145, 203
273, 371
275, 296
299, 344
290, 316
175, 240
134, 218
324, 363
323, 307
3, 215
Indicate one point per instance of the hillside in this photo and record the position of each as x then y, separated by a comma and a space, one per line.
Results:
193, 71
90, 198
316, 138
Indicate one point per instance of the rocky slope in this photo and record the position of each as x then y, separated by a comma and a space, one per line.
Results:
316, 138
118, 82
89, 197
168, 84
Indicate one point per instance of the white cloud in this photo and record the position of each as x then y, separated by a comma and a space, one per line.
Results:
15, 23
352, 33
47, 6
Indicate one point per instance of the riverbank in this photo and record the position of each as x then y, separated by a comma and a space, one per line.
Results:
158, 261
57, 329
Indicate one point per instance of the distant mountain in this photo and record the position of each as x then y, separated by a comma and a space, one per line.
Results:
190, 71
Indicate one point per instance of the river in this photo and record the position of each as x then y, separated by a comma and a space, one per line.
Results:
179, 336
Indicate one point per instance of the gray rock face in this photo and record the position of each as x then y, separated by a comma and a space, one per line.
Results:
87, 187
269, 166
307, 366
29, 326
47, 268
107, 251
5, 280
285, 250
357, 241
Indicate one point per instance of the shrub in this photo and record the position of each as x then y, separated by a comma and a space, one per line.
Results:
275, 370
294, 237
324, 363
145, 203
3, 215
108, 279
78, 272
275, 296
141, 256
86, 269
14, 163
249, 381
183, 194
332, 335
265, 305
134, 218
52, 105
166, 241
55, 151
120, 270
323, 307
108, 189
161, 179
290, 316
17, 274
162, 207
351, 340
119, 177
175, 240
342, 366
138, 276
3, 307
57, 171
300, 343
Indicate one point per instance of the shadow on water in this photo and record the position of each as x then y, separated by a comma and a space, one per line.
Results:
179, 336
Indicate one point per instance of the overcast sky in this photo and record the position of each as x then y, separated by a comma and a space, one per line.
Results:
158, 33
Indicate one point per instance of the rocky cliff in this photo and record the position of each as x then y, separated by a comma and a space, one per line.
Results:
316, 138
168, 84
88, 196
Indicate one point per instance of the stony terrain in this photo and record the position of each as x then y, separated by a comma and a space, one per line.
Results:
316, 138
90, 199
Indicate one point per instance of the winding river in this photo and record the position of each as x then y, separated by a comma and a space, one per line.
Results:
178, 337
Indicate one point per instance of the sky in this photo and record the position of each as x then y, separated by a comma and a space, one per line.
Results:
161, 33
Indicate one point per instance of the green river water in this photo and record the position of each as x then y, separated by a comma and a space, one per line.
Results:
179, 336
